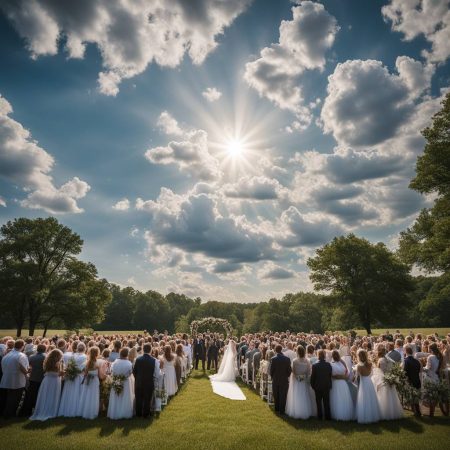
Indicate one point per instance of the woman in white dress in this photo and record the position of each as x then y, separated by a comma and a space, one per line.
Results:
228, 370
299, 403
433, 369
367, 408
70, 399
341, 403
170, 377
90, 387
121, 405
50, 390
390, 405
346, 356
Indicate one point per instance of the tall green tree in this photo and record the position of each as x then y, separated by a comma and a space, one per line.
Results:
367, 277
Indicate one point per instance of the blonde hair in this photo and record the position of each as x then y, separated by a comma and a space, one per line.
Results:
93, 353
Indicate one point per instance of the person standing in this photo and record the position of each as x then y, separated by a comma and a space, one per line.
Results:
412, 368
321, 384
199, 351
36, 362
280, 371
15, 369
213, 355
145, 369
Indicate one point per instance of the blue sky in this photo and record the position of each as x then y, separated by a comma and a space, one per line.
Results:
309, 129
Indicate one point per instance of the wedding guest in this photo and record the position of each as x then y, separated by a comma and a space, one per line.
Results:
280, 370
310, 354
115, 352
71, 393
15, 369
199, 351
393, 354
321, 383
413, 368
36, 362
121, 404
179, 363
50, 390
299, 403
90, 390
367, 408
170, 378
289, 351
29, 347
145, 370
433, 370
341, 402
390, 406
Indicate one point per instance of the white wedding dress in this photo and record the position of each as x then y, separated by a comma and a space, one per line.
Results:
121, 405
223, 383
341, 403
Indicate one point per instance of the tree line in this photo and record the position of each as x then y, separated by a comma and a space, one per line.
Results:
357, 283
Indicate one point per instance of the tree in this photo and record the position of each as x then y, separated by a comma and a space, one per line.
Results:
40, 276
427, 242
367, 277
305, 312
436, 305
152, 312
119, 313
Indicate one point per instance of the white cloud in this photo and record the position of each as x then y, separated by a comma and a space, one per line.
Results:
430, 18
212, 94
129, 34
415, 75
27, 165
2, 202
256, 188
272, 271
122, 205
168, 124
302, 45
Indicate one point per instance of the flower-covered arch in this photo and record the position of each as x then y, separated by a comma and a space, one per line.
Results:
195, 324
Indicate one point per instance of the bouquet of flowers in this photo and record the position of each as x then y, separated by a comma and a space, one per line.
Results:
72, 370
303, 378
117, 383
396, 377
435, 392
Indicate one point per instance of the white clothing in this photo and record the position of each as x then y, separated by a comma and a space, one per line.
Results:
13, 378
48, 397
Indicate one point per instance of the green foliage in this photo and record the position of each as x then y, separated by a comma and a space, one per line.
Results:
436, 305
367, 277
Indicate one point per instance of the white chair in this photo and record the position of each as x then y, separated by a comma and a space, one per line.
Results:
270, 400
244, 373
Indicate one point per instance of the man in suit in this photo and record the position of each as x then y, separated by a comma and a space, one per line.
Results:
393, 354
280, 370
254, 348
213, 355
321, 383
412, 367
199, 351
36, 377
145, 369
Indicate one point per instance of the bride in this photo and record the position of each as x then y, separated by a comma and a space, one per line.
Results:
228, 367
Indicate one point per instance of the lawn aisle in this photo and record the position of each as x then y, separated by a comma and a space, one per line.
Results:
198, 419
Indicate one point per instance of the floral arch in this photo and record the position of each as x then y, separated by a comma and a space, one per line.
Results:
195, 324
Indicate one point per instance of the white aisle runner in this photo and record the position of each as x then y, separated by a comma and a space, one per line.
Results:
228, 389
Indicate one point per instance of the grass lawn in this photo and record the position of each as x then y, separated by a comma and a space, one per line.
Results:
198, 419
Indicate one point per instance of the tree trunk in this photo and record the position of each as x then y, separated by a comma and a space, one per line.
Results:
19, 330
45, 329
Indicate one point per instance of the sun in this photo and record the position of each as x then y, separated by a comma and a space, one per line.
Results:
235, 148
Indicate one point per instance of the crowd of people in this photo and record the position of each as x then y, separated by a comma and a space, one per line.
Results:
331, 376
342, 377
122, 375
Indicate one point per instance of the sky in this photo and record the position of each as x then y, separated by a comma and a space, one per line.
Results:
209, 147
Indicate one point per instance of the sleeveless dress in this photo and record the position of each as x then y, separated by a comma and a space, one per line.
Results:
390, 405
170, 377
90, 395
48, 397
70, 399
299, 403
367, 408
341, 403
121, 405
345, 355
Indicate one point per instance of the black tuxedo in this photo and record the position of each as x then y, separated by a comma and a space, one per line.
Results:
144, 372
412, 368
213, 354
321, 383
199, 352
280, 370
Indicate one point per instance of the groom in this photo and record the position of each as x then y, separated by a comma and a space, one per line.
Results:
321, 383
213, 355
199, 351
280, 370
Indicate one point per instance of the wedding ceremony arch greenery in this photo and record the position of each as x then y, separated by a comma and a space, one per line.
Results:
196, 324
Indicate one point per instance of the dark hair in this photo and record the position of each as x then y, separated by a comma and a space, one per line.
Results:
321, 354
301, 351
278, 348
408, 350
19, 344
124, 352
310, 348
147, 348
41, 348
335, 355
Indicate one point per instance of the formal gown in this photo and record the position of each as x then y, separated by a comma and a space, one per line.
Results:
431, 369
47, 403
341, 403
121, 405
170, 377
299, 403
90, 394
345, 354
70, 398
390, 405
367, 408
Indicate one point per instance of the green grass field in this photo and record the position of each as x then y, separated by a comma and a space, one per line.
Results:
376, 331
198, 419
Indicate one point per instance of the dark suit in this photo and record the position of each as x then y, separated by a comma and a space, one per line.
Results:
412, 368
280, 370
213, 355
199, 352
36, 377
321, 383
144, 372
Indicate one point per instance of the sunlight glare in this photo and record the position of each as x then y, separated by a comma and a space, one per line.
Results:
235, 148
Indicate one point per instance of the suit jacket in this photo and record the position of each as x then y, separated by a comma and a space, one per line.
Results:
199, 348
280, 369
412, 368
256, 361
321, 376
249, 355
213, 350
144, 372
395, 356
37, 367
